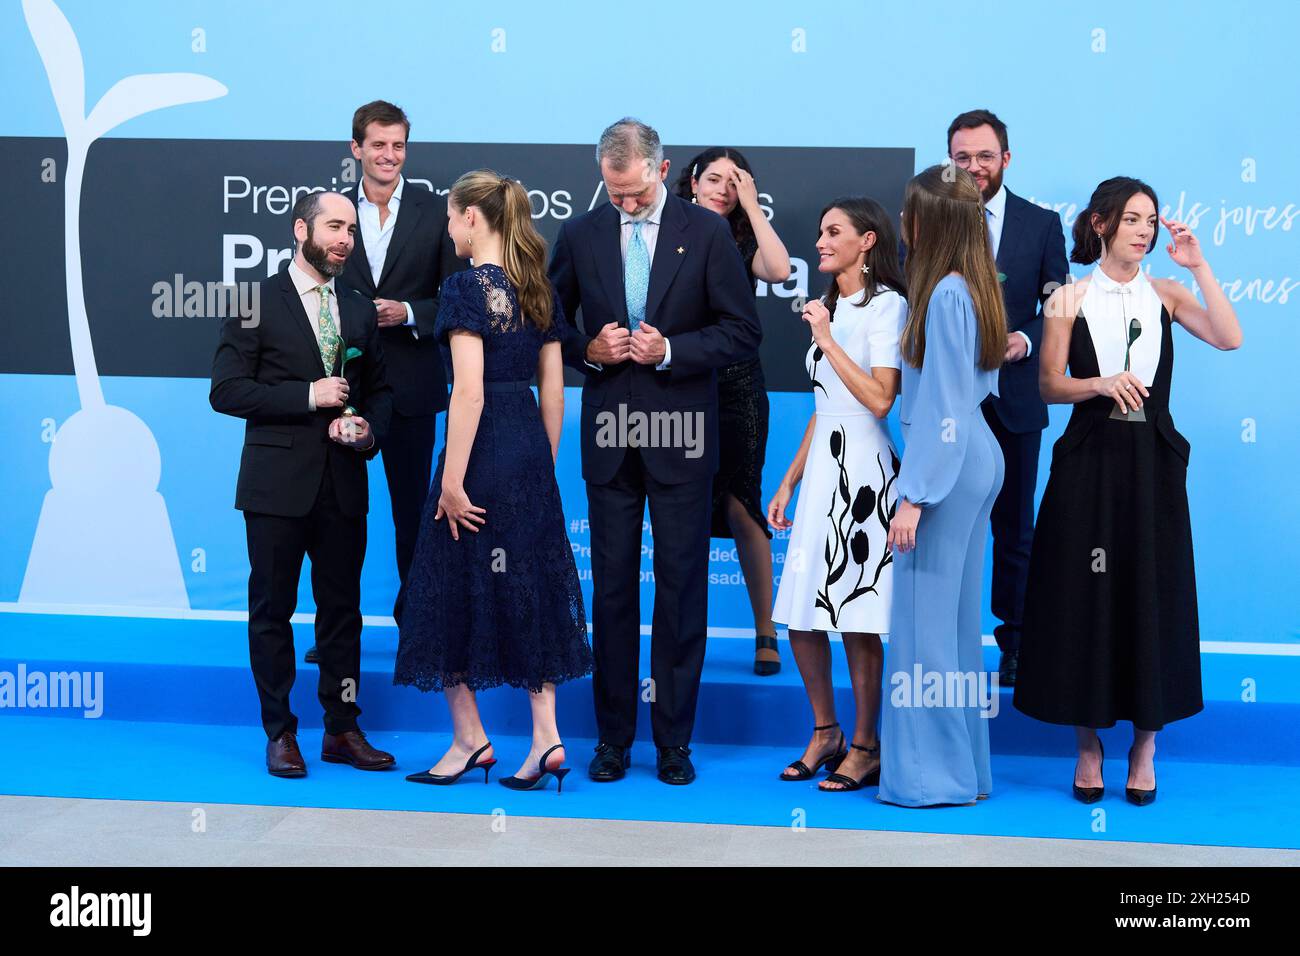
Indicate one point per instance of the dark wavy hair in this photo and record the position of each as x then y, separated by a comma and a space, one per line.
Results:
867, 215
1107, 203
741, 230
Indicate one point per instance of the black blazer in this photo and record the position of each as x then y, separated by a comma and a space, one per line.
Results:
262, 373
699, 298
420, 256
1031, 254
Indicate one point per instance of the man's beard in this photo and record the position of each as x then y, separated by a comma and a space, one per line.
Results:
319, 259
642, 214
995, 183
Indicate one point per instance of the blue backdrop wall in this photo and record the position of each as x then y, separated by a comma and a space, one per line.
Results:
1196, 98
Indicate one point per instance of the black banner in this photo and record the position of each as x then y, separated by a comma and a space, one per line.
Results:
165, 223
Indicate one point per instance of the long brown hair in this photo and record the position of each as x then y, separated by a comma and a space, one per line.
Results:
504, 203
945, 231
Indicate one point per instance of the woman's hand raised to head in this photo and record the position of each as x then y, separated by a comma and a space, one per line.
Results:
1185, 249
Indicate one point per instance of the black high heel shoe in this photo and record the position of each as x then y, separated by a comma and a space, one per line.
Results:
443, 779
765, 666
1139, 798
1093, 794
847, 783
539, 782
830, 762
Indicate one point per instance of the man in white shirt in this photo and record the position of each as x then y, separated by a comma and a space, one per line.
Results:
402, 255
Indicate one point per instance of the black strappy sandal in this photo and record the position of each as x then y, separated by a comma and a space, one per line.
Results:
847, 783
444, 779
543, 771
765, 666
830, 762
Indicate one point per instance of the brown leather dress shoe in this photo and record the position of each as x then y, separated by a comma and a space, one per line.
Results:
283, 758
351, 747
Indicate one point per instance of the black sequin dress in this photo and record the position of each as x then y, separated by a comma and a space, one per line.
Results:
742, 427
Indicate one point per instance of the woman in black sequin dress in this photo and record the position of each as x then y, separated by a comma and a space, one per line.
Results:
720, 179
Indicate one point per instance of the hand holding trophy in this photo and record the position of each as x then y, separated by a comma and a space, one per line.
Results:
350, 428
1128, 404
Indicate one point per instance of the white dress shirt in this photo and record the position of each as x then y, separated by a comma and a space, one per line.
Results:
377, 237
995, 212
650, 236
308, 292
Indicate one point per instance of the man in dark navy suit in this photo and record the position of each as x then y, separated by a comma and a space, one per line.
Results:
1029, 247
664, 302
302, 476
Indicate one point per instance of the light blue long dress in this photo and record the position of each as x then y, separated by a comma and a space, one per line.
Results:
938, 752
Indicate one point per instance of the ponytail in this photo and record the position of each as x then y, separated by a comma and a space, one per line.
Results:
504, 204
524, 253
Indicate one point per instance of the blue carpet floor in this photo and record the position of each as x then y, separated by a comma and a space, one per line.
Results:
178, 701
1211, 804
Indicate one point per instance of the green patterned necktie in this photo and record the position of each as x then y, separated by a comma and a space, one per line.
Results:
329, 338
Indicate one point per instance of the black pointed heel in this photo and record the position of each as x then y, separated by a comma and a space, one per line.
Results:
762, 666
1139, 798
1093, 794
539, 782
847, 783
443, 779
830, 762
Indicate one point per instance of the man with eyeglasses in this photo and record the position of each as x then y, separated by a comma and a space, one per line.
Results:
1028, 245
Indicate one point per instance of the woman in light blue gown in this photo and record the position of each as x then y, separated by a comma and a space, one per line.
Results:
934, 739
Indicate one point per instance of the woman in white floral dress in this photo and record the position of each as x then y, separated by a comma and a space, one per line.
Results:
837, 573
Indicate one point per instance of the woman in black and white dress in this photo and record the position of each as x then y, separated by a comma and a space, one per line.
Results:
837, 572
1110, 627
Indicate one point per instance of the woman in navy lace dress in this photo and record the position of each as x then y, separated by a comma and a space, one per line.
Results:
493, 595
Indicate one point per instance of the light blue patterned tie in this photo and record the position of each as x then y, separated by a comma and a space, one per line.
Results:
636, 278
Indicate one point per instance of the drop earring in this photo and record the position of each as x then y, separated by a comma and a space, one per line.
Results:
695, 199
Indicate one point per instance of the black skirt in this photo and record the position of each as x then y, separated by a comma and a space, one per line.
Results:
742, 429
1110, 624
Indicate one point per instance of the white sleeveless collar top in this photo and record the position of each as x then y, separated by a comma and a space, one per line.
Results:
1110, 308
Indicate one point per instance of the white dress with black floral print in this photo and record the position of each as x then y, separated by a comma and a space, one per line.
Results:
837, 573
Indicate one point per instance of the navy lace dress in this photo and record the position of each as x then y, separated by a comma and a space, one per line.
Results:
503, 605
